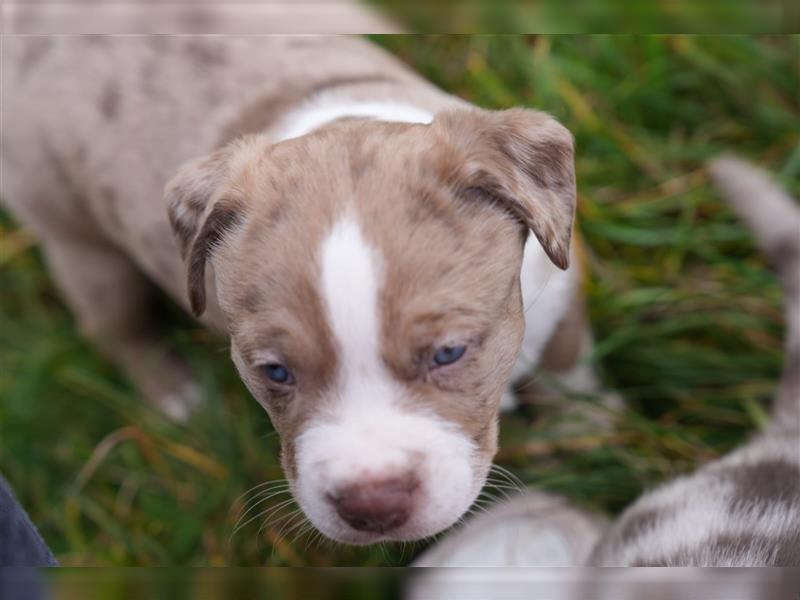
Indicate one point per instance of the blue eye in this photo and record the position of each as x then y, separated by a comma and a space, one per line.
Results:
447, 355
278, 373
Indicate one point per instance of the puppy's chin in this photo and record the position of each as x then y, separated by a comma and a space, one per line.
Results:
433, 473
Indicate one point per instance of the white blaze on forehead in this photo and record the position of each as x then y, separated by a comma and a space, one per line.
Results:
367, 431
351, 276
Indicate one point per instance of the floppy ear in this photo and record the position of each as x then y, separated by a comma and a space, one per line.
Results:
520, 159
201, 216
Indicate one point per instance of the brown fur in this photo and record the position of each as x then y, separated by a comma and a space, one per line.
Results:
524, 160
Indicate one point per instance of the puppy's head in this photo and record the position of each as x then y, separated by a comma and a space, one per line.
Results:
369, 275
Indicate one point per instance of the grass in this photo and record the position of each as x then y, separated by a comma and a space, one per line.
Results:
686, 316
591, 16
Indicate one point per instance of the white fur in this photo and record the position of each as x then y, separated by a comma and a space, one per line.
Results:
520, 542
365, 427
321, 111
351, 278
179, 406
546, 292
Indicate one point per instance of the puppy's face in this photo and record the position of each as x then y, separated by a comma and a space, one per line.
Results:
369, 274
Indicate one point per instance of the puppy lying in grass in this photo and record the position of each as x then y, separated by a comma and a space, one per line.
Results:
741, 510
384, 257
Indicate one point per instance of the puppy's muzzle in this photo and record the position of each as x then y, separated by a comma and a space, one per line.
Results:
376, 505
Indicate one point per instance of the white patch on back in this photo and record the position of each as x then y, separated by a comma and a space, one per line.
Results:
320, 111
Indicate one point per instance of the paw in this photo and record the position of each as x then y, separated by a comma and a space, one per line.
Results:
169, 387
180, 405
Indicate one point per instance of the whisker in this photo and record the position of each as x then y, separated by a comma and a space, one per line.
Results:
239, 523
287, 522
487, 495
313, 540
503, 472
505, 489
266, 494
279, 522
260, 485
302, 523
475, 509
266, 512
494, 488
504, 482
511, 475
306, 532
320, 539
484, 506
275, 512
268, 486
261, 496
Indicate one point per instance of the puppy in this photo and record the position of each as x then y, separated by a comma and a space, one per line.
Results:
377, 250
742, 510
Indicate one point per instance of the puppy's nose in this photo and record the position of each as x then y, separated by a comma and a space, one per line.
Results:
376, 505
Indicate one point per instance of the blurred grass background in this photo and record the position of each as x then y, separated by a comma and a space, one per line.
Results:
686, 315
597, 16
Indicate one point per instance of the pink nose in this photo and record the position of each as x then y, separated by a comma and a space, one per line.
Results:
376, 505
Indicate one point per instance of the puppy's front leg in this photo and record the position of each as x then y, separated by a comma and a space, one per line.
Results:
109, 297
